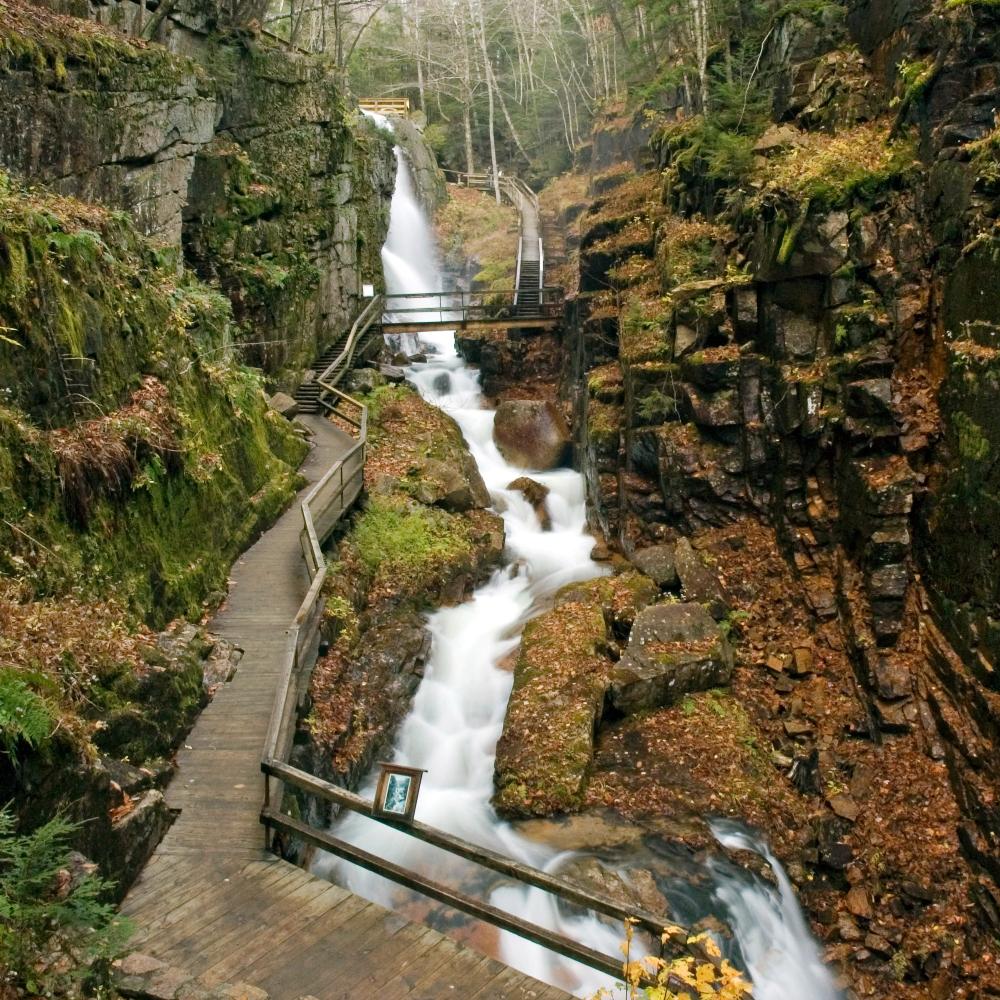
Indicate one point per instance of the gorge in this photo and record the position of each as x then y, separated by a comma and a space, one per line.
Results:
726, 655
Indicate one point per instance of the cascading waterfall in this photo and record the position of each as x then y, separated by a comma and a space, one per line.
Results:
458, 711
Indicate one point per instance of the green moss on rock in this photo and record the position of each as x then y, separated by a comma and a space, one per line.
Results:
90, 310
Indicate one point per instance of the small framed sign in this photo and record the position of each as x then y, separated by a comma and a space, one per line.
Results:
367, 291
396, 794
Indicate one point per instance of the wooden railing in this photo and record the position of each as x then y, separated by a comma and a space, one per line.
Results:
389, 106
519, 194
671, 939
322, 508
335, 371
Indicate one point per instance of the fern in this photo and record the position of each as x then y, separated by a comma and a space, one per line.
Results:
25, 717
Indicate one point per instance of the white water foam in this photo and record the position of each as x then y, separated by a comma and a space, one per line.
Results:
458, 712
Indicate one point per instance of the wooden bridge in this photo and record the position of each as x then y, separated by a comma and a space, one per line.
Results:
391, 107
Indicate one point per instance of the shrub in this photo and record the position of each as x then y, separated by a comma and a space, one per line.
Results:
57, 935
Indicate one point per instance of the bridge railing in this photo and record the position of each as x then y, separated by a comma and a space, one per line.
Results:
388, 106
671, 939
466, 307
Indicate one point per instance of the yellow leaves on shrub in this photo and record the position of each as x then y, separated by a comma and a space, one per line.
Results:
701, 975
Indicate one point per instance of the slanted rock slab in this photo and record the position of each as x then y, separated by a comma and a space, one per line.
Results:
674, 649
282, 403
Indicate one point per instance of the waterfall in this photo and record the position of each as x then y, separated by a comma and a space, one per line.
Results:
458, 712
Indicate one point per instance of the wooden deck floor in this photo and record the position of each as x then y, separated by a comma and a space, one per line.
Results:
213, 902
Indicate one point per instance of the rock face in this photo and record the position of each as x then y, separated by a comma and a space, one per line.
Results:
91, 138
240, 158
674, 649
531, 434
842, 391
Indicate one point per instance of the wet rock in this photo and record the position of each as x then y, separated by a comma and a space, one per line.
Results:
699, 583
601, 552
392, 374
442, 383
673, 649
659, 564
283, 404
536, 494
635, 888
532, 434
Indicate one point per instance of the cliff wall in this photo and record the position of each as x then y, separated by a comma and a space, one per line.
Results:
795, 326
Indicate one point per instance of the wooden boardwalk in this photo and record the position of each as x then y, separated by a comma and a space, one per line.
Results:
213, 902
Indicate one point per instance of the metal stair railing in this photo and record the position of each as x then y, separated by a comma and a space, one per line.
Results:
334, 372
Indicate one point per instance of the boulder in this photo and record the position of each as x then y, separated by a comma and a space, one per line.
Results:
699, 583
393, 374
674, 649
531, 433
456, 488
535, 493
659, 564
363, 380
282, 403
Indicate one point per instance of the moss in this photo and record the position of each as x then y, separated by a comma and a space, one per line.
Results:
77, 282
415, 541
830, 171
604, 423
544, 754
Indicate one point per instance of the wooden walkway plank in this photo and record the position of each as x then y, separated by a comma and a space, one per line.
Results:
211, 901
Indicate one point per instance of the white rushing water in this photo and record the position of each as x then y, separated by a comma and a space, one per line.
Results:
458, 712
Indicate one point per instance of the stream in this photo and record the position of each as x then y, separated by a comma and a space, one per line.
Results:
458, 712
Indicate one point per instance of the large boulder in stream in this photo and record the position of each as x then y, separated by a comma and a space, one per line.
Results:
674, 649
532, 434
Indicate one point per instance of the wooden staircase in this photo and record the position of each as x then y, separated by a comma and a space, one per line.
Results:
334, 363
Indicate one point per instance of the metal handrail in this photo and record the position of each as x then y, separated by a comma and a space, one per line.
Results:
359, 328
